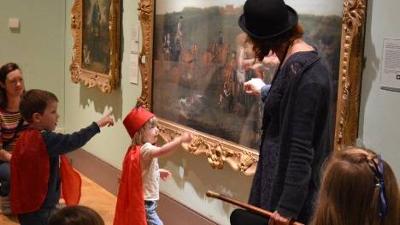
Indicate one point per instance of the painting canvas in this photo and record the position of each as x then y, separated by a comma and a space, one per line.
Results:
95, 28
95, 36
198, 69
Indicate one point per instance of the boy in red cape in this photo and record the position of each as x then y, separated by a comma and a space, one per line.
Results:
139, 188
36, 167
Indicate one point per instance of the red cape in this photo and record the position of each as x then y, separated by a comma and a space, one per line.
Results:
30, 172
71, 182
130, 202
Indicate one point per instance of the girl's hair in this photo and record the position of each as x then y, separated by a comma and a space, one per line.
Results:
358, 187
76, 215
4, 71
138, 138
262, 47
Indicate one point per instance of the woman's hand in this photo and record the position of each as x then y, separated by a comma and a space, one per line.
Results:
253, 86
277, 219
4, 155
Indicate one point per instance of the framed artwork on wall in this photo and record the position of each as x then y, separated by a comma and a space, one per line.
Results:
192, 72
95, 28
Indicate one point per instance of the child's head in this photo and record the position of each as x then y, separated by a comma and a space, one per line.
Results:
39, 108
76, 215
141, 126
358, 187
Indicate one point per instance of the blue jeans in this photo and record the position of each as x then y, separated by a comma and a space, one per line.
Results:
4, 178
151, 213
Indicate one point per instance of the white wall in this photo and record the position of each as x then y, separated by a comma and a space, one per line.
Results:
380, 109
38, 46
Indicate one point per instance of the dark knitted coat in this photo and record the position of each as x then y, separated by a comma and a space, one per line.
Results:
297, 137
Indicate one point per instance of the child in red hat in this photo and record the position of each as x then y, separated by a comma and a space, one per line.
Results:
139, 188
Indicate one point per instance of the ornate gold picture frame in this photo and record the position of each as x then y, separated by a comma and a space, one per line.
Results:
95, 26
244, 158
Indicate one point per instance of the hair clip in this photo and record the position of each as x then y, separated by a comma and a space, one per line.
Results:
379, 175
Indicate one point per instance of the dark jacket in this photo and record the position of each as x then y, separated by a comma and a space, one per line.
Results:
58, 144
297, 137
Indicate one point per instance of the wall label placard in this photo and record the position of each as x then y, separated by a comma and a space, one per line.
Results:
390, 72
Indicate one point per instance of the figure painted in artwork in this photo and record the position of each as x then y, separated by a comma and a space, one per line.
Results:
167, 46
178, 42
96, 40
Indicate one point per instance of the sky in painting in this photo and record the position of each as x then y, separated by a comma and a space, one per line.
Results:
316, 7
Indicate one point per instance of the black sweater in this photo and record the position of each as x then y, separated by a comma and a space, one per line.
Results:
297, 137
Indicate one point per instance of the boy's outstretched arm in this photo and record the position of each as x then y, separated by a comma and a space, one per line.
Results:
172, 145
58, 144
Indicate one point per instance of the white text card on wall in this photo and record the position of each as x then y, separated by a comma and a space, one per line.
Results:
134, 55
390, 70
134, 64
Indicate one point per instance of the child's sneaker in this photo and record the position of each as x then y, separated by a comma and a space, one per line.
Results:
5, 205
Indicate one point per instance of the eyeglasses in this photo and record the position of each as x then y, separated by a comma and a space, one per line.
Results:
377, 168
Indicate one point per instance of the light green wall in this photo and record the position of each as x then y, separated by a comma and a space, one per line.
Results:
38, 47
192, 176
379, 124
379, 118
84, 105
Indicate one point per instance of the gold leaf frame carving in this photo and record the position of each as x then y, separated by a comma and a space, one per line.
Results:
219, 151
106, 82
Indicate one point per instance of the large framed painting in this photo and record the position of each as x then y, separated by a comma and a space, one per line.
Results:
95, 28
193, 65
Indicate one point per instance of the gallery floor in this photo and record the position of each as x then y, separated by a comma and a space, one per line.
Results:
93, 196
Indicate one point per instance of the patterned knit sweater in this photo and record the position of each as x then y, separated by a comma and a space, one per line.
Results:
8, 126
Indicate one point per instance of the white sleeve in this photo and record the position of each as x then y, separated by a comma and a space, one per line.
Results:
147, 150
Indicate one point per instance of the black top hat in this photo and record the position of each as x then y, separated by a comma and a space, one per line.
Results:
267, 19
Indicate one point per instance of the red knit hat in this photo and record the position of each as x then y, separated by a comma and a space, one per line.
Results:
136, 118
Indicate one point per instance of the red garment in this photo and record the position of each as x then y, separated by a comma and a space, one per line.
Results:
135, 120
71, 182
30, 172
130, 202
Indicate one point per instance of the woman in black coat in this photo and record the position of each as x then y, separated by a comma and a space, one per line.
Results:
297, 119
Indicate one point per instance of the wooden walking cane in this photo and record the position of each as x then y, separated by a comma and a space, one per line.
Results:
249, 207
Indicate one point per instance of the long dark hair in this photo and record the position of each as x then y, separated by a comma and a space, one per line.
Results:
4, 71
350, 193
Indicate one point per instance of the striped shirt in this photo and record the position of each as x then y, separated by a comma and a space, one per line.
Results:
8, 126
